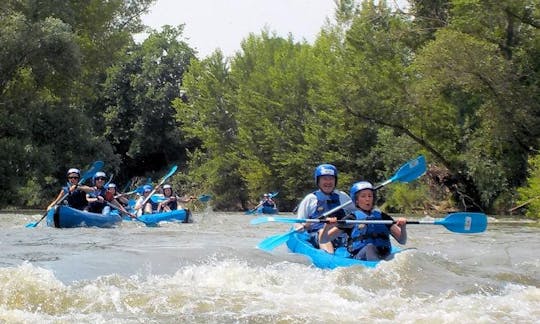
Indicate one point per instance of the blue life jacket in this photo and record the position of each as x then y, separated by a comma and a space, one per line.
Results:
376, 234
97, 206
324, 203
76, 199
269, 203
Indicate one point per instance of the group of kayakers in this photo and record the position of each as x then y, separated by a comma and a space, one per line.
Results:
363, 241
368, 242
102, 196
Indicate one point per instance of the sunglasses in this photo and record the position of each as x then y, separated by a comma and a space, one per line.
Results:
73, 177
101, 178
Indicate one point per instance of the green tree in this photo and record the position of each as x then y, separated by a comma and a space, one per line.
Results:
139, 116
209, 115
530, 192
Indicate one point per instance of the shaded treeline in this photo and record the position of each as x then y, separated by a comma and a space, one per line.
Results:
456, 81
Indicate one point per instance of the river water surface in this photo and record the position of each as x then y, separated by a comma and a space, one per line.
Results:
210, 272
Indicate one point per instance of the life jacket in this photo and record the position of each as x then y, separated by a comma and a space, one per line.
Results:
324, 203
97, 206
376, 234
172, 204
76, 199
152, 203
269, 203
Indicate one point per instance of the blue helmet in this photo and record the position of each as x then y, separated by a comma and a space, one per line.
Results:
359, 186
147, 188
325, 169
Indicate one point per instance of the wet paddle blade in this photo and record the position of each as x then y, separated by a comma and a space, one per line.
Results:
408, 172
270, 243
204, 198
464, 222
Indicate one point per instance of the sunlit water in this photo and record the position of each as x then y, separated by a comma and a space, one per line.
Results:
210, 272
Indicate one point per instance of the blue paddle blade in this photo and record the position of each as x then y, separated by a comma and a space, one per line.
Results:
96, 166
270, 243
273, 194
411, 170
171, 172
464, 222
204, 198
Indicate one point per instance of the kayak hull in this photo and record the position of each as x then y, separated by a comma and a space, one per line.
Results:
67, 217
299, 243
180, 215
267, 210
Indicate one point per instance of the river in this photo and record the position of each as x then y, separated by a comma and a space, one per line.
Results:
210, 271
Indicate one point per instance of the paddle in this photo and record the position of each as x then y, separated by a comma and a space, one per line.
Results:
126, 187
96, 166
204, 198
161, 182
109, 181
149, 224
461, 222
160, 198
251, 211
408, 172
272, 242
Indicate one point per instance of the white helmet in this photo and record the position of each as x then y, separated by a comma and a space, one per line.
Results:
359, 186
74, 170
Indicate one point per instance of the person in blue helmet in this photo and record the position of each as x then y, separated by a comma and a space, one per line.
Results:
368, 242
325, 198
76, 193
149, 206
100, 199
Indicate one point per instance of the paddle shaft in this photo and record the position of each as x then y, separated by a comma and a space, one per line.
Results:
460, 222
173, 169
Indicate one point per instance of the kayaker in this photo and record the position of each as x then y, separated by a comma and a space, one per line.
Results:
100, 199
268, 201
76, 194
113, 190
96, 198
368, 242
172, 201
150, 206
320, 201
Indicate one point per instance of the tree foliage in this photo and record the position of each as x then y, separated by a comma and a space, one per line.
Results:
455, 80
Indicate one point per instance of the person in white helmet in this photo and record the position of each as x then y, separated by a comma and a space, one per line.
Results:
370, 242
172, 201
74, 192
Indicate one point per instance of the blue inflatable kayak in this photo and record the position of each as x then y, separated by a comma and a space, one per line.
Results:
67, 217
298, 243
